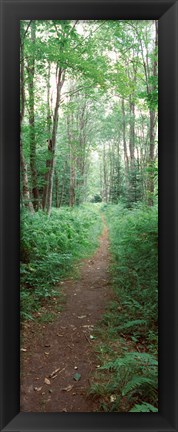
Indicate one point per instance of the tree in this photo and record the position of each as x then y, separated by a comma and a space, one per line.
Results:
24, 175
31, 74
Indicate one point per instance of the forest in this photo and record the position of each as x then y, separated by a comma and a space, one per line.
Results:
89, 215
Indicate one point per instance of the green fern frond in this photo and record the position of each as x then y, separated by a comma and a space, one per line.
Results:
144, 407
138, 382
131, 359
133, 323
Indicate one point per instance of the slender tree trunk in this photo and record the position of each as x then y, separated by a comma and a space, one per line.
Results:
132, 132
105, 174
52, 142
57, 189
124, 136
24, 175
31, 73
63, 184
72, 174
25, 188
152, 130
45, 188
72, 179
72, 157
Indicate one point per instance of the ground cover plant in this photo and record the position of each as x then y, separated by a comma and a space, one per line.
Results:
131, 318
49, 251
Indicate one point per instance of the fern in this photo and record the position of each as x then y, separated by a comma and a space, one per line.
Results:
133, 323
144, 407
139, 382
133, 358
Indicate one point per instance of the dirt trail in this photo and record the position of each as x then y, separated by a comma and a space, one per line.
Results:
67, 343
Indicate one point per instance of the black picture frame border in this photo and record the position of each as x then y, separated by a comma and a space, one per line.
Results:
167, 14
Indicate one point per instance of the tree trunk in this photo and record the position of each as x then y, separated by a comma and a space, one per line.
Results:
52, 143
63, 184
132, 132
105, 175
152, 113
25, 188
24, 175
45, 188
31, 73
57, 189
72, 181
124, 136
72, 157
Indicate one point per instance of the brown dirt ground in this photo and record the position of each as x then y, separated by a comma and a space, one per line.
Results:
66, 345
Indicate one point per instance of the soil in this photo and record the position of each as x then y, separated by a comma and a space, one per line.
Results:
54, 354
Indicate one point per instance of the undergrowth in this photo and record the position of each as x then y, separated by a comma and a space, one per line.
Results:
127, 377
49, 249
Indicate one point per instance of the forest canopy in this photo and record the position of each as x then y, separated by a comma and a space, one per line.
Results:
89, 93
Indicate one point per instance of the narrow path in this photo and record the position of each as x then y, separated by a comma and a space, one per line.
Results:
65, 346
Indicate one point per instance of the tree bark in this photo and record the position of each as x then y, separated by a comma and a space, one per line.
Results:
152, 113
132, 132
105, 176
45, 188
31, 73
24, 175
124, 136
63, 184
57, 189
72, 166
52, 143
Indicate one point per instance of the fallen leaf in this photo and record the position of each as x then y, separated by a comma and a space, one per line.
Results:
77, 377
47, 381
47, 353
68, 388
37, 388
82, 316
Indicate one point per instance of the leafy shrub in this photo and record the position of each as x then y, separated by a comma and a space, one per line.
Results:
131, 379
134, 244
49, 248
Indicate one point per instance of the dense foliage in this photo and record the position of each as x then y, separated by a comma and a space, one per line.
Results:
132, 316
49, 250
88, 112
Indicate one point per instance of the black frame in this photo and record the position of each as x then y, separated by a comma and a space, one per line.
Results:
167, 13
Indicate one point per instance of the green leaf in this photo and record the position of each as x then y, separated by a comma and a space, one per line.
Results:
77, 376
